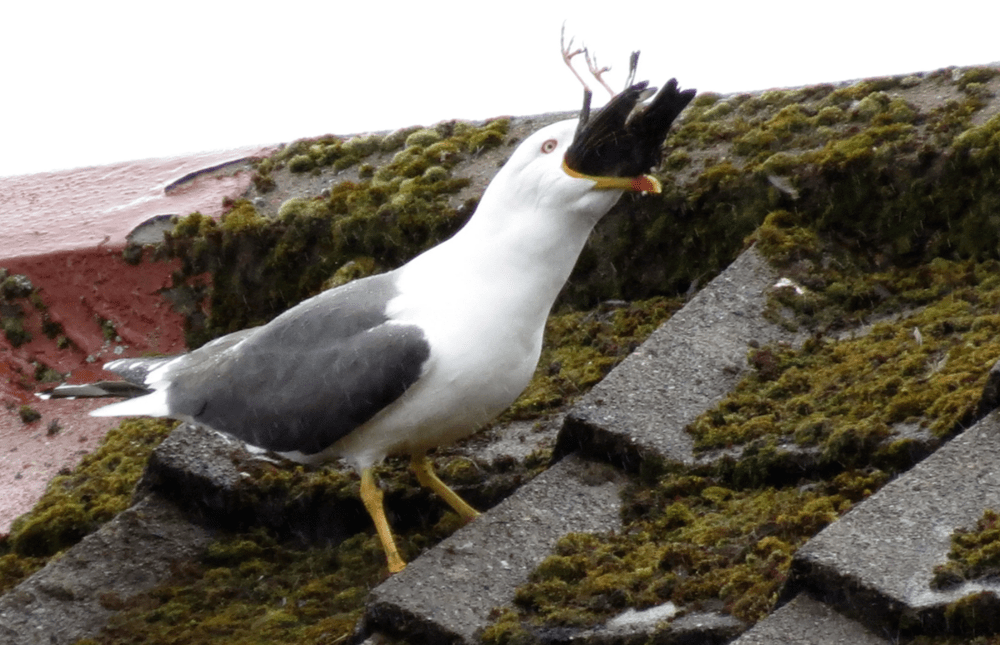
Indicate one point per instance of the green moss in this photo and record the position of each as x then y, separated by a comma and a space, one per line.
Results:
506, 628
397, 139
107, 328
687, 539
864, 179
423, 137
350, 271
76, 503
718, 110
14, 286
28, 414
254, 589
845, 397
976, 75
582, 347
50, 328
974, 614
361, 146
13, 329
45, 374
15, 567
705, 100
491, 135
891, 183
261, 266
301, 163
974, 555
830, 115
783, 241
871, 105
98, 489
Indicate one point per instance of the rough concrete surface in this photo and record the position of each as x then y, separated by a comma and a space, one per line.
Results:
206, 474
805, 621
446, 594
877, 561
69, 598
685, 367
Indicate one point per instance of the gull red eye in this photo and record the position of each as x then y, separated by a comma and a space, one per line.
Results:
549, 146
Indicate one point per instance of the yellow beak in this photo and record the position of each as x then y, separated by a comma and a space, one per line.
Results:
642, 183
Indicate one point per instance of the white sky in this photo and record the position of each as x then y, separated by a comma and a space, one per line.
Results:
89, 83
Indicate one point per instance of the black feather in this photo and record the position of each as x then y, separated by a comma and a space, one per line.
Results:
621, 141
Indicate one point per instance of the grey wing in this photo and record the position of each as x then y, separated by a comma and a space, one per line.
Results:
136, 370
310, 376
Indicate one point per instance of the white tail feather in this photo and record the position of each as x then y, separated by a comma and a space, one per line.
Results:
150, 405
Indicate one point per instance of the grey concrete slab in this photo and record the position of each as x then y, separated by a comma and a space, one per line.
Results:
73, 596
205, 473
805, 621
212, 478
195, 460
684, 368
446, 595
877, 562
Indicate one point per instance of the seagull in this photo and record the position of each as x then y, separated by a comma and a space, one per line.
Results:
423, 355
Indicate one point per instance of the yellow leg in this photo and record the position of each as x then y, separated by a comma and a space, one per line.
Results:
371, 495
421, 465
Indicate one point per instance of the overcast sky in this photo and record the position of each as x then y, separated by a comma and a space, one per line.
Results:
89, 83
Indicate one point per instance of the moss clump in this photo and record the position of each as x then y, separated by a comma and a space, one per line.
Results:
976, 75
361, 146
396, 139
873, 173
97, 490
846, 397
13, 329
260, 266
107, 328
76, 503
253, 589
423, 137
50, 328
307, 155
507, 628
490, 136
15, 287
688, 539
582, 347
975, 614
14, 568
974, 555
301, 163
28, 414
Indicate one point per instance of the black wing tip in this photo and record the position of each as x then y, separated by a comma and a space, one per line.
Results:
625, 138
672, 95
99, 389
653, 120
